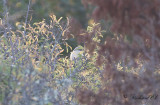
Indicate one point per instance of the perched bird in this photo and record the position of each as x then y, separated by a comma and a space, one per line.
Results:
76, 53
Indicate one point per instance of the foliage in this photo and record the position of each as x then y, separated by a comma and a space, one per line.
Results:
120, 64
19, 11
32, 70
134, 45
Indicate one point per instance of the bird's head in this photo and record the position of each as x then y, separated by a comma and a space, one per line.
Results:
76, 52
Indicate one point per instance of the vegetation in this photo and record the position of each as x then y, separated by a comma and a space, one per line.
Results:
120, 64
134, 46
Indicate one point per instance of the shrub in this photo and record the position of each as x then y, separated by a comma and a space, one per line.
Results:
32, 70
134, 45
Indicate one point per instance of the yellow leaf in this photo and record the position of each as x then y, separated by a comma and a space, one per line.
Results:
59, 19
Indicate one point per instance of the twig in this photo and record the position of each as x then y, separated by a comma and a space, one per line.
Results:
27, 17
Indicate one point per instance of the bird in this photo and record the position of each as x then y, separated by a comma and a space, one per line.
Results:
76, 53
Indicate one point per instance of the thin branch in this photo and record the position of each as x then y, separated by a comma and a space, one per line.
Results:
5, 9
27, 17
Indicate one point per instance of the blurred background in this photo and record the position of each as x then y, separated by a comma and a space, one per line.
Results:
40, 9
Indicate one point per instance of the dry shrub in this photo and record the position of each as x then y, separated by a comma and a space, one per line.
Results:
138, 19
